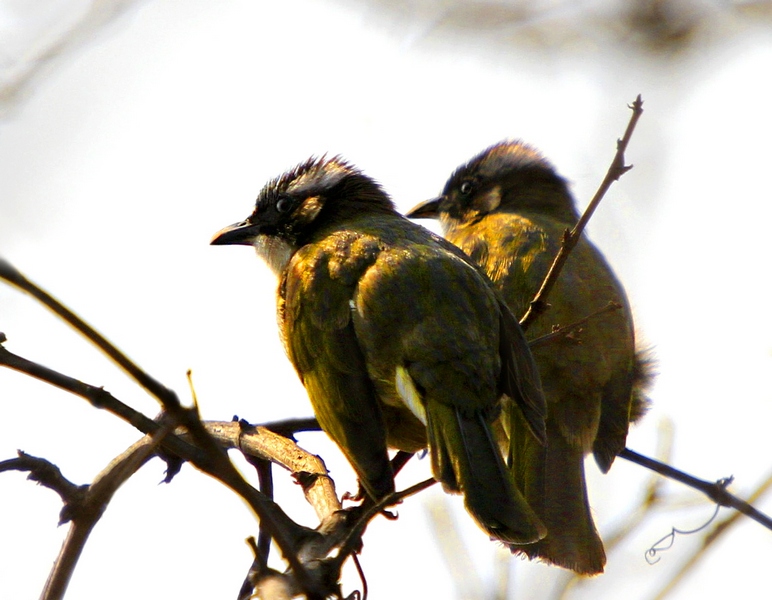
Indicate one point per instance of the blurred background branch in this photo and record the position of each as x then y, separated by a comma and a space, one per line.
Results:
33, 35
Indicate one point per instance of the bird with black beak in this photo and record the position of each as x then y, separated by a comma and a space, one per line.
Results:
508, 209
400, 341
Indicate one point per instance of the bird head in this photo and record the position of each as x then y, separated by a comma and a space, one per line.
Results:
292, 207
507, 177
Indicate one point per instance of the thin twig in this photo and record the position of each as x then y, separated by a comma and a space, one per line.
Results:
86, 512
215, 462
362, 577
282, 529
99, 398
48, 475
566, 330
615, 171
715, 490
351, 541
400, 459
257, 571
13, 276
265, 480
321, 494
262, 548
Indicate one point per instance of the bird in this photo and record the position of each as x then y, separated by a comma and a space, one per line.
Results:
507, 208
400, 340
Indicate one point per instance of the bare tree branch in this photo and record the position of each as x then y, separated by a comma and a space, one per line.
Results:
13, 276
351, 542
715, 490
86, 513
618, 168
213, 461
261, 442
84, 505
48, 475
99, 398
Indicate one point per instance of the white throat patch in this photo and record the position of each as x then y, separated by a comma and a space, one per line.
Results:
274, 251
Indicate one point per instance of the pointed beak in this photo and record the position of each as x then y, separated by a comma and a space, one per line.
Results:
430, 209
243, 233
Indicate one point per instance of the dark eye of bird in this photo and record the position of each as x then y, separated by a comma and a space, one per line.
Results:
283, 204
465, 187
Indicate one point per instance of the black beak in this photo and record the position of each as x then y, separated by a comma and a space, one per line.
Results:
430, 209
243, 233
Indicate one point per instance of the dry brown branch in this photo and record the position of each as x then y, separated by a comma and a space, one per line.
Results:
351, 542
48, 475
13, 276
84, 505
210, 458
309, 547
261, 442
618, 168
85, 514
715, 490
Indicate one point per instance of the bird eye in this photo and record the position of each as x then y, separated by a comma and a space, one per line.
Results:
465, 187
283, 205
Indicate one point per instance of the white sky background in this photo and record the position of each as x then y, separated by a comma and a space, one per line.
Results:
129, 152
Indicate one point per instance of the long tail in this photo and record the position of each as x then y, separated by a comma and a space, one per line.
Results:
552, 479
466, 459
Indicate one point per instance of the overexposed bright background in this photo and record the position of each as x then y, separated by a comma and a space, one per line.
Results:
131, 131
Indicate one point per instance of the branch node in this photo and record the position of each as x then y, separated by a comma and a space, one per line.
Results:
305, 479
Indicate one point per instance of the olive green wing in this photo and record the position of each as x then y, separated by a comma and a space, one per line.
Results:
437, 338
519, 375
606, 356
315, 318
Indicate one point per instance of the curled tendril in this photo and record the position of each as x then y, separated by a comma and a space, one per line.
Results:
666, 542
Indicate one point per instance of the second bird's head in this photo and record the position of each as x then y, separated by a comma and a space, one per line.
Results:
291, 208
507, 177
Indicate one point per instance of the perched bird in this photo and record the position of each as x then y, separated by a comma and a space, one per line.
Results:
400, 341
507, 209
